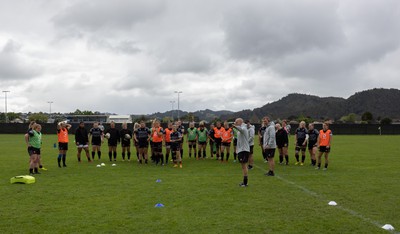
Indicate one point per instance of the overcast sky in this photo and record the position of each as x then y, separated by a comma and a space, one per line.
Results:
129, 56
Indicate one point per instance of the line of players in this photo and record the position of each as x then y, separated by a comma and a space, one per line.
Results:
219, 137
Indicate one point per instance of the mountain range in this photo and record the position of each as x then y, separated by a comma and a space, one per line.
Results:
381, 103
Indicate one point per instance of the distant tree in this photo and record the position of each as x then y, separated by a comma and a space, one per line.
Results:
367, 117
292, 117
77, 112
386, 121
351, 118
167, 119
306, 119
87, 112
38, 117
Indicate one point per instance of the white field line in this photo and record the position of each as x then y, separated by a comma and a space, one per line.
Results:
320, 197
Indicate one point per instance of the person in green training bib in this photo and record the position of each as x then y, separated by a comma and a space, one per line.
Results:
202, 134
34, 143
191, 139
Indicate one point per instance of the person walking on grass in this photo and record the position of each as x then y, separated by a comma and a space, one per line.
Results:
324, 143
82, 141
34, 143
270, 145
62, 134
243, 148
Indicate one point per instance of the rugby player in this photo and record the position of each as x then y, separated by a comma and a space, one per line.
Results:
82, 141
211, 138
251, 130
324, 143
96, 136
62, 134
142, 136
301, 138
282, 141
34, 143
192, 139
176, 139
226, 139
218, 130
270, 145
167, 142
202, 134
313, 135
157, 133
113, 141
126, 136
243, 148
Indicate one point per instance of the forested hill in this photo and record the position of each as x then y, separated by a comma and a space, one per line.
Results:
380, 102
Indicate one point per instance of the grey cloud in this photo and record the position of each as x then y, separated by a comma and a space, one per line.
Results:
104, 14
312, 39
13, 66
123, 47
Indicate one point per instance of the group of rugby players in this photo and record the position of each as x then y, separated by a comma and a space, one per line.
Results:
219, 138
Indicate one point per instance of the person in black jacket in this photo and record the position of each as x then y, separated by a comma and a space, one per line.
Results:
282, 141
82, 141
126, 136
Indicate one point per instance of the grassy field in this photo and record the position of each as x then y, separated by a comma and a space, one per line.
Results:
204, 196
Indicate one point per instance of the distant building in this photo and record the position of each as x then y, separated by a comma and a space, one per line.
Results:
120, 118
86, 118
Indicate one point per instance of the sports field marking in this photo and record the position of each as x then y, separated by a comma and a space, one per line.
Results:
322, 198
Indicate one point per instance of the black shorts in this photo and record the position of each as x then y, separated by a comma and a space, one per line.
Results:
168, 145
202, 143
235, 142
217, 141
281, 145
126, 143
112, 143
324, 149
269, 153
62, 146
175, 146
243, 156
33, 150
157, 147
300, 148
96, 141
311, 145
192, 141
143, 143
226, 144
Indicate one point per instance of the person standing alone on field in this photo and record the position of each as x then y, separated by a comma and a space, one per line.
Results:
62, 133
270, 145
243, 148
324, 143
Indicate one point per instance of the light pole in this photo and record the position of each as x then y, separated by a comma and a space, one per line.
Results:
178, 92
172, 113
50, 102
5, 98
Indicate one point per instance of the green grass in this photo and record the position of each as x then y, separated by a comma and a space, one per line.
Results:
204, 196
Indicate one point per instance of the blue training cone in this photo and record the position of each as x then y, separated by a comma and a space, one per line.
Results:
159, 205
158, 181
